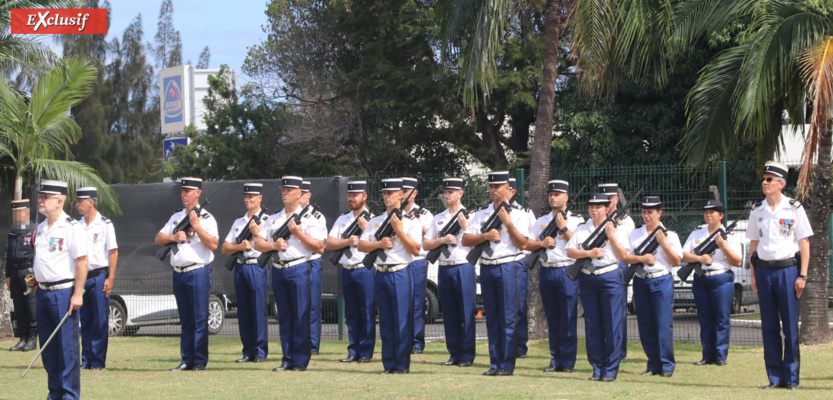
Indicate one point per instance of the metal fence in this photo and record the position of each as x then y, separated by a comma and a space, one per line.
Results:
143, 298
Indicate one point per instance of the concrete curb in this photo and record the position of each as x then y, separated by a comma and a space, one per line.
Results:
753, 323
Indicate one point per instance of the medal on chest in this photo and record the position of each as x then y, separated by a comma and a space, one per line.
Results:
787, 226
95, 238
56, 244
190, 234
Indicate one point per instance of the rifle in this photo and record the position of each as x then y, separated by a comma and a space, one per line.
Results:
245, 234
649, 246
284, 233
452, 228
385, 230
598, 239
707, 247
493, 222
182, 226
352, 230
550, 231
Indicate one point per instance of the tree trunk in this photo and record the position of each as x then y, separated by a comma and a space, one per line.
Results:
18, 187
539, 170
814, 323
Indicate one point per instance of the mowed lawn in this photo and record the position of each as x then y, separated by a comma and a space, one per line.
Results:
137, 369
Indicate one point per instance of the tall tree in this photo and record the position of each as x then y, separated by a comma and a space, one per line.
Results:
168, 44
205, 58
360, 74
121, 130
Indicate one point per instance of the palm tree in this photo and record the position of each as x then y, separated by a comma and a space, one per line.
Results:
35, 130
477, 27
784, 61
475, 30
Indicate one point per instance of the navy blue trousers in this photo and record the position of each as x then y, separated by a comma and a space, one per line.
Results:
394, 295
713, 298
522, 328
779, 307
558, 294
61, 359
457, 288
499, 287
315, 306
250, 289
654, 301
419, 270
623, 353
191, 290
602, 298
95, 322
359, 310
291, 287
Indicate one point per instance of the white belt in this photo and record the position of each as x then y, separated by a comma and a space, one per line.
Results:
497, 261
59, 286
656, 274
188, 268
451, 263
314, 256
715, 272
599, 271
390, 267
561, 264
353, 266
287, 264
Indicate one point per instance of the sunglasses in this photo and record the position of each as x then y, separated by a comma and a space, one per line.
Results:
768, 179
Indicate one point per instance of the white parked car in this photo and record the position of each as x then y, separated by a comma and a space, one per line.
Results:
130, 312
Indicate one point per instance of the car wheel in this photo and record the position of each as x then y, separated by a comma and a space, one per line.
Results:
116, 319
273, 307
216, 315
431, 307
737, 301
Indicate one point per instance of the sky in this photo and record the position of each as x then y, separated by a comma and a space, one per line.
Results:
228, 28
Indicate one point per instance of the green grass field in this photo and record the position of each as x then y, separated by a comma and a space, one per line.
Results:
137, 369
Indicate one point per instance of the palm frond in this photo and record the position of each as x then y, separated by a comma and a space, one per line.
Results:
711, 127
78, 174
455, 18
479, 62
817, 68
694, 19
64, 86
593, 24
646, 26
20, 51
784, 34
